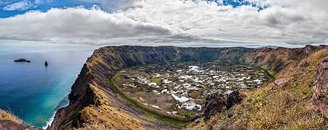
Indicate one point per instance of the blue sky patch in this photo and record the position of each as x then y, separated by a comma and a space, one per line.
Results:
10, 8
237, 3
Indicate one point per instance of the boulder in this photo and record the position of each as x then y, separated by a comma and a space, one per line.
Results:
214, 103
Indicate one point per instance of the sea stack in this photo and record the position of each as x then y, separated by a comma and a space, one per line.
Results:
46, 63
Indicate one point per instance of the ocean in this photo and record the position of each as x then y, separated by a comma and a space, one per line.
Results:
32, 91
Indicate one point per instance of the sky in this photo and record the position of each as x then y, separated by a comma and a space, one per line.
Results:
166, 22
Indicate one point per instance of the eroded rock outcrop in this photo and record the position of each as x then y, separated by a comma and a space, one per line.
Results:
233, 99
320, 91
216, 103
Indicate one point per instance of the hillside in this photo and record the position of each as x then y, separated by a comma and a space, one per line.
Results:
287, 102
291, 101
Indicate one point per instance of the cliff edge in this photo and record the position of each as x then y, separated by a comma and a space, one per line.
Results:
11, 122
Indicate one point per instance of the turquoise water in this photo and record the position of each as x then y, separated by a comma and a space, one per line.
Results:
32, 91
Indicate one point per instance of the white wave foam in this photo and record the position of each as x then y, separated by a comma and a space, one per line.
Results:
52, 118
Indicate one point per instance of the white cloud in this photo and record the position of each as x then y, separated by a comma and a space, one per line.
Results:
21, 5
75, 25
177, 22
281, 22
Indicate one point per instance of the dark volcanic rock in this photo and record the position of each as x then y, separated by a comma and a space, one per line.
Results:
320, 91
22, 60
233, 98
214, 103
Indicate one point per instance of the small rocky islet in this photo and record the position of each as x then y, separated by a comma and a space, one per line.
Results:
22, 60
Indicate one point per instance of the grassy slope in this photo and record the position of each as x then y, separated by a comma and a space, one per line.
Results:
7, 116
105, 116
283, 106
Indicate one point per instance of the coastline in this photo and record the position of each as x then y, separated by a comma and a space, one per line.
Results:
60, 105
40, 88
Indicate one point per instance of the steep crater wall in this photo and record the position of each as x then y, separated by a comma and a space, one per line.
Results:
92, 94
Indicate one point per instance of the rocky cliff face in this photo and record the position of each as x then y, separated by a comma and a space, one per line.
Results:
95, 105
